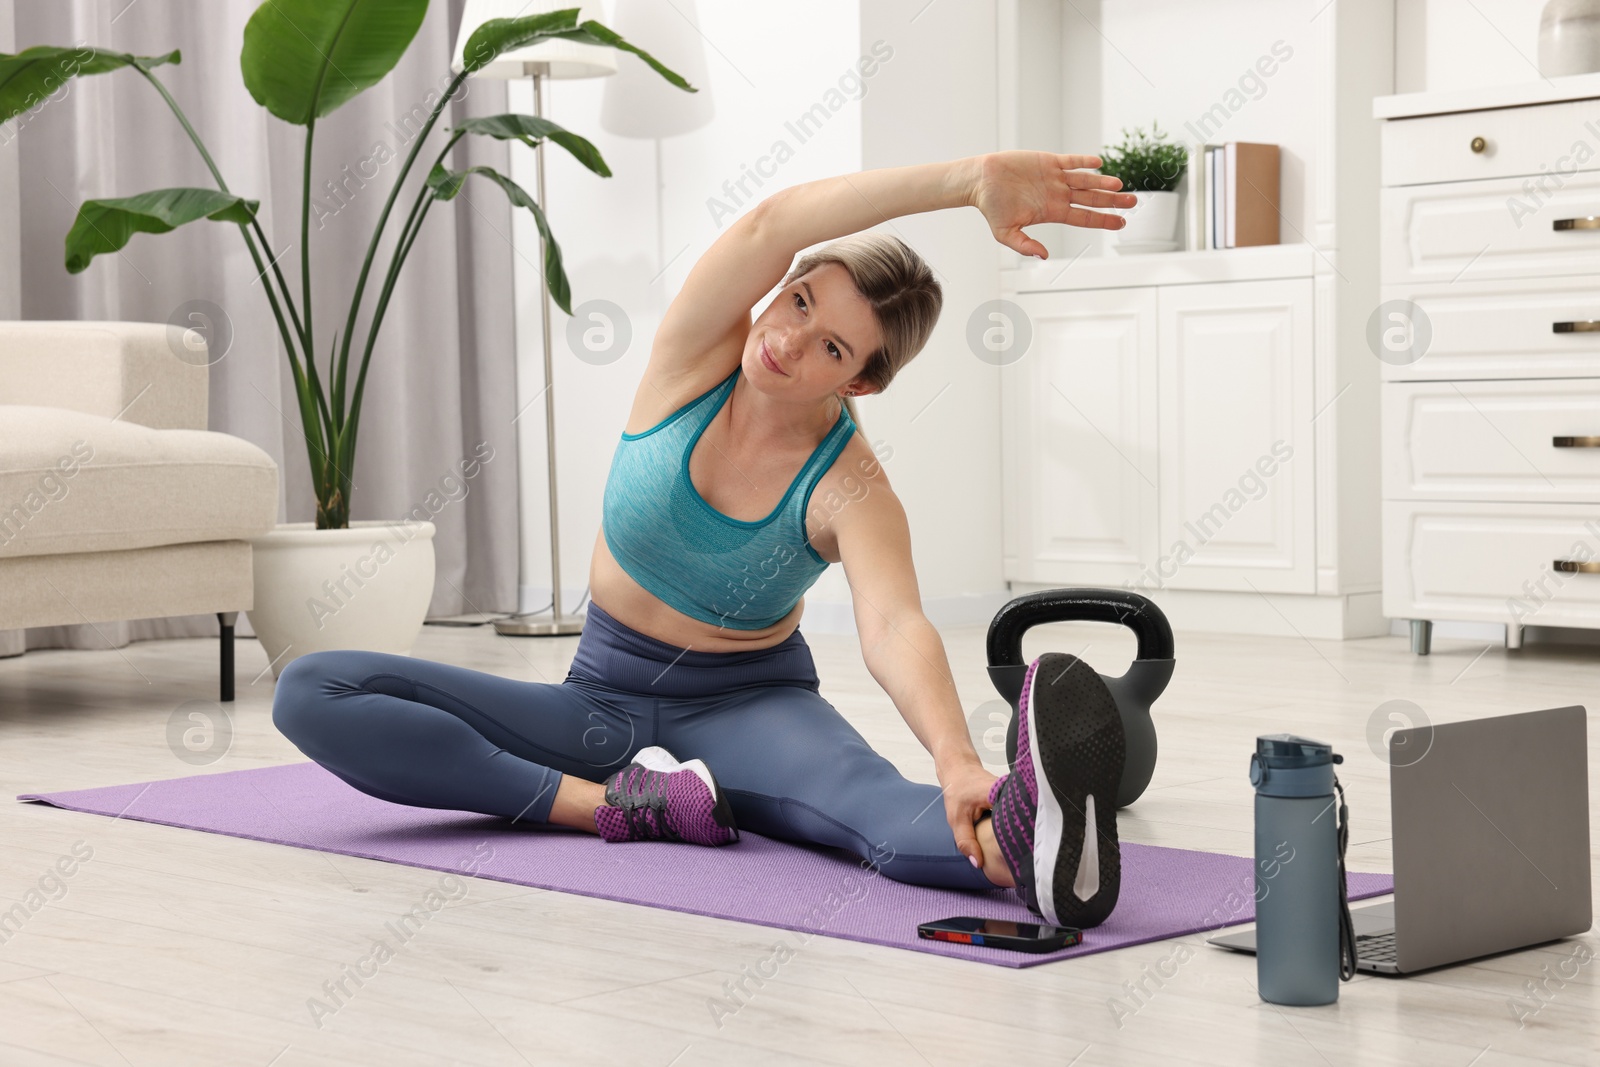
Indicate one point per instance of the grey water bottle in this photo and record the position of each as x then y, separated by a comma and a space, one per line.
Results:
1298, 871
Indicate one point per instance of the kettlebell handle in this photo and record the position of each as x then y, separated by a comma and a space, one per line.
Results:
1128, 608
1134, 692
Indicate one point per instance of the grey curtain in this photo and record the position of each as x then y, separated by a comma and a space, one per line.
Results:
441, 388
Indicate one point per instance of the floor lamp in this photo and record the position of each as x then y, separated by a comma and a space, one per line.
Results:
552, 58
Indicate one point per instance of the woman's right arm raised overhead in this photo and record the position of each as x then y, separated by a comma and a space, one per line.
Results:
701, 338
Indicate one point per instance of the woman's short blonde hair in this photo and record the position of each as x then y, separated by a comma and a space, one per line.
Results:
899, 286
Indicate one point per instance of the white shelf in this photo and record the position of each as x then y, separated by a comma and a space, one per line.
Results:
1090, 271
1483, 97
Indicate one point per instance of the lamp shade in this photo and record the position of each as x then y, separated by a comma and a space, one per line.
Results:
550, 58
637, 102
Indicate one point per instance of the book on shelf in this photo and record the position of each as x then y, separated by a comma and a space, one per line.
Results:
1233, 195
1217, 204
1252, 194
1194, 197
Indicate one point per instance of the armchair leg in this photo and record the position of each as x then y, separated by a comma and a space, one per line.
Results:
227, 619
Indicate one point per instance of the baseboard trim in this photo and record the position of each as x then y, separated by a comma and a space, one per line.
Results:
1339, 617
972, 609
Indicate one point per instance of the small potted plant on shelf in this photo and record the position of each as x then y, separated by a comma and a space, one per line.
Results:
318, 585
1152, 167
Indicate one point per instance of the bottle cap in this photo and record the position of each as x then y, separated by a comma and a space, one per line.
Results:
1288, 750
1295, 755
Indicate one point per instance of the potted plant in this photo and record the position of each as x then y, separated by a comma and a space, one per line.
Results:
1152, 167
331, 583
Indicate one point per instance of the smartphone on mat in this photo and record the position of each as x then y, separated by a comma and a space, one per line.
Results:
1001, 933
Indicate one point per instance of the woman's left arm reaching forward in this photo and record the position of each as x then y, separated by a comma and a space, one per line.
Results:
905, 654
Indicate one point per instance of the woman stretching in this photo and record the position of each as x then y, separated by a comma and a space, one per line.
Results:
691, 649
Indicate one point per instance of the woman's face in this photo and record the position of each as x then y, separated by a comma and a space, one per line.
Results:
813, 339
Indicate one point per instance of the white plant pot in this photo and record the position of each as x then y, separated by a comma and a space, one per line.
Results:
365, 587
1152, 224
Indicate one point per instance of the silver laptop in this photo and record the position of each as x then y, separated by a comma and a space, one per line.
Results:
1491, 842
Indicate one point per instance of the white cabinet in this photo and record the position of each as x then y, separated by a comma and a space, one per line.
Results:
1491, 419
1159, 437
1079, 439
1236, 474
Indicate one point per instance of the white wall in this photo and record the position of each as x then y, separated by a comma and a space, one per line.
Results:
764, 66
1132, 63
936, 99
1454, 44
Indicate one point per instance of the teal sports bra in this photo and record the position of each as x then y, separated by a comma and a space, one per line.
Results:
742, 575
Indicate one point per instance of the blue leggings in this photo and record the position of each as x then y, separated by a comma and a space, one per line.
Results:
434, 735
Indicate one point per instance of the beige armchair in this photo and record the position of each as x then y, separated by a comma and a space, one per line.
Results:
116, 502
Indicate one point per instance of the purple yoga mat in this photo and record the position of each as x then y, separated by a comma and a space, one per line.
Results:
1166, 892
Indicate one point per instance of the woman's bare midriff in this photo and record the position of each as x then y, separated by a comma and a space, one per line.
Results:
631, 604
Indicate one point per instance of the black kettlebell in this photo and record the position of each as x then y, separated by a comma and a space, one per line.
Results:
1146, 678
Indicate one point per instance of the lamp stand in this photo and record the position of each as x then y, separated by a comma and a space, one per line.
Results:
557, 625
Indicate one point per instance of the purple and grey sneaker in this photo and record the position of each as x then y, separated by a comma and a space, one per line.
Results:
656, 798
1060, 841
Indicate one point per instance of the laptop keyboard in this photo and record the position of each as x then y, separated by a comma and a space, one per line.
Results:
1378, 948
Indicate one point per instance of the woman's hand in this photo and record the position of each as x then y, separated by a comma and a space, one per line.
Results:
966, 797
1017, 189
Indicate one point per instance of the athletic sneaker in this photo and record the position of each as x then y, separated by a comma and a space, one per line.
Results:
656, 798
1055, 814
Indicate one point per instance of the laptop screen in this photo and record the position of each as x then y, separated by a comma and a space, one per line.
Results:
1491, 835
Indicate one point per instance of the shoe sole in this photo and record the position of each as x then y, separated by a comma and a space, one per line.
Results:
1077, 746
656, 758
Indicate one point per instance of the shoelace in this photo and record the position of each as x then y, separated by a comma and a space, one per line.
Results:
644, 804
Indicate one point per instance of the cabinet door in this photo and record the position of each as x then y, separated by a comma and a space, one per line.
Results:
1079, 438
1237, 476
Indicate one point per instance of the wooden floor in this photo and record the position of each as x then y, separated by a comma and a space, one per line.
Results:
171, 947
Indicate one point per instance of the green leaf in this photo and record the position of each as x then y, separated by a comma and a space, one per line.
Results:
529, 130
447, 183
1145, 163
33, 75
497, 36
305, 58
107, 225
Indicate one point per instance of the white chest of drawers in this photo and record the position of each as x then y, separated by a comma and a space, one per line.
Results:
1489, 333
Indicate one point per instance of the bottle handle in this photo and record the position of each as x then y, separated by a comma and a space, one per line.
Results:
1347, 932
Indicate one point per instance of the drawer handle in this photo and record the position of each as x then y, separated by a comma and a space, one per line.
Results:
1479, 144
1575, 442
1588, 222
1576, 326
1572, 566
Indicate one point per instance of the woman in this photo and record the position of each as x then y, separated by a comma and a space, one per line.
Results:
709, 539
